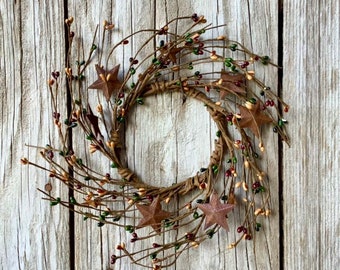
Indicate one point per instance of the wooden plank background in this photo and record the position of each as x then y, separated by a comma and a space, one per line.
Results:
303, 36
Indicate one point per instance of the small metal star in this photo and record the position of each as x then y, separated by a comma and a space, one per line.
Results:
107, 81
170, 52
230, 83
216, 212
152, 215
253, 118
93, 122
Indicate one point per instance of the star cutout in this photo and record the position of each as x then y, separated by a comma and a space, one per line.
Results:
231, 82
170, 53
215, 212
253, 118
93, 122
107, 81
152, 215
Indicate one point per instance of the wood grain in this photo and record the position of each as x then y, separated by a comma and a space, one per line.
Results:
167, 141
162, 146
34, 235
311, 166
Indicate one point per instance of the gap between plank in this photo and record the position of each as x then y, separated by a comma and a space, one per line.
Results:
280, 144
69, 147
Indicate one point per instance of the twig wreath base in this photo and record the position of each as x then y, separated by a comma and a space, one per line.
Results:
132, 201
205, 177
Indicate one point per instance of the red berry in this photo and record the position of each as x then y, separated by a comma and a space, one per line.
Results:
55, 74
240, 229
229, 117
190, 236
256, 185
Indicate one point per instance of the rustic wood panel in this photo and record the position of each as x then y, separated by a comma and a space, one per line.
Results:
88, 236
93, 245
311, 166
35, 235
38, 239
161, 145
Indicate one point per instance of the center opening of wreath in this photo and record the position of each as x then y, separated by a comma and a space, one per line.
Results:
168, 140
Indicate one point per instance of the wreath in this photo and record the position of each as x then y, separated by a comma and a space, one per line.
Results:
238, 102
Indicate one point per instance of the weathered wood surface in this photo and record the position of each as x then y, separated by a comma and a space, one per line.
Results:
37, 237
311, 166
32, 236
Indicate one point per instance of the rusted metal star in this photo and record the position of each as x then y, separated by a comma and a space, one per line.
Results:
216, 212
92, 120
231, 83
107, 81
169, 51
253, 118
152, 215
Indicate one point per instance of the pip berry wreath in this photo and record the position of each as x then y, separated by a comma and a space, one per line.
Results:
237, 101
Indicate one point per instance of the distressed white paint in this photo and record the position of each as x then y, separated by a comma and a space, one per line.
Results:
311, 166
173, 145
32, 235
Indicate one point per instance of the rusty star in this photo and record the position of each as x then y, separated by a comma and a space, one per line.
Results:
169, 51
107, 81
152, 215
216, 212
92, 120
231, 83
253, 118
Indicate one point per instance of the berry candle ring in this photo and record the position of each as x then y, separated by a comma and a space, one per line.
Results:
204, 69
